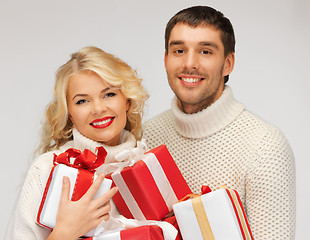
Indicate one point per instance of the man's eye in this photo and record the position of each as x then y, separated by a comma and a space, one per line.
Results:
205, 52
179, 51
81, 101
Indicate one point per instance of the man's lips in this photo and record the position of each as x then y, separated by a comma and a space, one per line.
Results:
102, 122
190, 80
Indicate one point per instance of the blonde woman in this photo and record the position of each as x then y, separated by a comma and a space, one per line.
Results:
98, 101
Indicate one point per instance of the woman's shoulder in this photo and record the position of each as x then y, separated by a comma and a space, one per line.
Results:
45, 160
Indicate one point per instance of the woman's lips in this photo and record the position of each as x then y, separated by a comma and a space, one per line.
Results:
103, 122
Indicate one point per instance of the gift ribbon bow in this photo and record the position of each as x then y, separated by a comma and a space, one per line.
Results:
134, 154
125, 158
83, 160
204, 190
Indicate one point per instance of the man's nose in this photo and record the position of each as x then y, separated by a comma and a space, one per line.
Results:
191, 61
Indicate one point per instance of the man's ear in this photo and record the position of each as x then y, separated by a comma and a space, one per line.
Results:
229, 64
165, 60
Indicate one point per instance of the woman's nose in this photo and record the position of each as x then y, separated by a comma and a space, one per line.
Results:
98, 107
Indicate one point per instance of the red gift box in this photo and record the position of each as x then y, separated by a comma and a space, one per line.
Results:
81, 175
149, 232
149, 188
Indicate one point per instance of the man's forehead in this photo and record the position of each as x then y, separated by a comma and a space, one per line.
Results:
201, 35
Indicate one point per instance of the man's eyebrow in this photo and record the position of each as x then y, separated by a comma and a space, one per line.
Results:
176, 42
209, 44
202, 43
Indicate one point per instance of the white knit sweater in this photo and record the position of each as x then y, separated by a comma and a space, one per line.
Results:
226, 144
22, 225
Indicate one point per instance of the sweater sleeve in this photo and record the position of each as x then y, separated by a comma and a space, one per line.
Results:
23, 224
270, 189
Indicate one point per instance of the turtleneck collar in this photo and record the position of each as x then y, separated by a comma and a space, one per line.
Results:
127, 141
208, 121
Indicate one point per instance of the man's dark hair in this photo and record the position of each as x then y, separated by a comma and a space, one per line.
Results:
204, 15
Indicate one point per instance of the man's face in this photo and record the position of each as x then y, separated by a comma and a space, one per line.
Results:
196, 66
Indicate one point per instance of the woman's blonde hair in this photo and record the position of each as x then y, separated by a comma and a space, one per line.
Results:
57, 127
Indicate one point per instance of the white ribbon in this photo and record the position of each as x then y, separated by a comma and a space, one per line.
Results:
127, 196
161, 180
125, 158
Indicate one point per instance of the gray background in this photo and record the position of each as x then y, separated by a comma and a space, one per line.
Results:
270, 77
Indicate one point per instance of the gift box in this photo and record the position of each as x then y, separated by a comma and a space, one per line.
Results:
149, 188
215, 215
172, 220
81, 175
149, 232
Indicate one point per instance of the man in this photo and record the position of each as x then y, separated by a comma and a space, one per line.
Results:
212, 137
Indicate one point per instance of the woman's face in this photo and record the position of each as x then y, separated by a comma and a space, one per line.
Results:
97, 110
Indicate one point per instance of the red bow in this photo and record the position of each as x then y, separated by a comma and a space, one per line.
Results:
83, 160
205, 189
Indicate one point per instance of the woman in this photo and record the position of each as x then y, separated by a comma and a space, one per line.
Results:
98, 101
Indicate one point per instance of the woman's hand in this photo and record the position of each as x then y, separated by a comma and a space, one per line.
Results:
76, 218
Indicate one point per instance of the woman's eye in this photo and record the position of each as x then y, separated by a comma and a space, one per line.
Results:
110, 94
81, 101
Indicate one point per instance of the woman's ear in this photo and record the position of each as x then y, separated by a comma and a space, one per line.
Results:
128, 104
70, 118
229, 64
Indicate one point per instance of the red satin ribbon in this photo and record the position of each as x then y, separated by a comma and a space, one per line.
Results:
205, 189
83, 160
86, 162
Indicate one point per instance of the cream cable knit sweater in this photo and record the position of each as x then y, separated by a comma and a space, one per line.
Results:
226, 144
22, 225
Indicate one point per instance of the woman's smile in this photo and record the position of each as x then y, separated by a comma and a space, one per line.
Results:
103, 122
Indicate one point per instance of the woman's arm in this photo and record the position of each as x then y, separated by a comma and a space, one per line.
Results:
76, 218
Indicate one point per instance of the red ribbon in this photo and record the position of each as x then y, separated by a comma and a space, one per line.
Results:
205, 189
83, 160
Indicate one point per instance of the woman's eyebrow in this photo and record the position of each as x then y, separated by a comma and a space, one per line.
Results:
102, 91
110, 88
79, 95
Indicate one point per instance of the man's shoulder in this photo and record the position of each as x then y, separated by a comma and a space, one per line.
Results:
260, 128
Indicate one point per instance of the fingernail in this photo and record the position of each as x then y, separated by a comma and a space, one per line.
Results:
65, 179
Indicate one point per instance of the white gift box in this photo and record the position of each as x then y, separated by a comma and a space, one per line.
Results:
50, 202
216, 215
